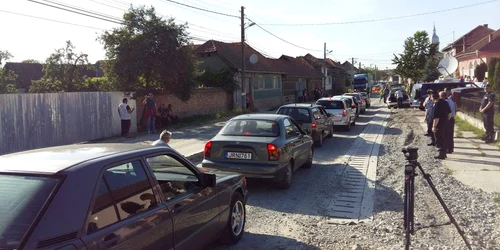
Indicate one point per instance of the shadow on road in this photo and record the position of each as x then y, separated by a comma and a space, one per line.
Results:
253, 241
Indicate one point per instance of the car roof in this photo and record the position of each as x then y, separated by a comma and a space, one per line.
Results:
53, 160
270, 117
334, 98
300, 105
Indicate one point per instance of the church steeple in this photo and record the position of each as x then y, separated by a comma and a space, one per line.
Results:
435, 38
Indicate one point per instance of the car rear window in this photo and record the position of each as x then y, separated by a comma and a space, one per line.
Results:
251, 128
331, 104
298, 114
21, 199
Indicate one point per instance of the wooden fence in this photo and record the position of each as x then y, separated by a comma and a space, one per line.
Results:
30, 121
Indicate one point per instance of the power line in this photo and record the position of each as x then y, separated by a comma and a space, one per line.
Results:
270, 33
97, 17
381, 19
202, 9
84, 10
51, 20
111, 6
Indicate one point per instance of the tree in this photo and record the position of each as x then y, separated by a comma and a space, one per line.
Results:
222, 79
148, 52
431, 72
418, 50
6, 76
491, 69
64, 70
30, 61
496, 79
480, 71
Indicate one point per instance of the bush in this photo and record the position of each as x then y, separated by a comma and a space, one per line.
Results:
495, 79
491, 68
480, 71
97, 84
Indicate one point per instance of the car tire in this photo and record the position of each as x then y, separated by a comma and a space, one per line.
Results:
319, 142
229, 236
309, 162
330, 133
348, 126
286, 182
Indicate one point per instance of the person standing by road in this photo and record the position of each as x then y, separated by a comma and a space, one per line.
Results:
399, 96
450, 130
125, 112
442, 114
164, 139
150, 112
386, 93
488, 110
429, 108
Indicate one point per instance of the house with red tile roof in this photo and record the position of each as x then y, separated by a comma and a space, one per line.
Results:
467, 40
28, 72
263, 80
299, 75
481, 51
335, 74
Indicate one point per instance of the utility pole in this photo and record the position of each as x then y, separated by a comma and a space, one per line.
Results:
325, 73
243, 82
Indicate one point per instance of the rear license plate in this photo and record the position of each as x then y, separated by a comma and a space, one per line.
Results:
237, 155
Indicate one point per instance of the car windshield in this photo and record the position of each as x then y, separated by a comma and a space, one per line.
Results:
21, 199
331, 104
354, 95
251, 128
298, 114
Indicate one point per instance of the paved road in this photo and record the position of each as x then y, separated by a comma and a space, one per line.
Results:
279, 219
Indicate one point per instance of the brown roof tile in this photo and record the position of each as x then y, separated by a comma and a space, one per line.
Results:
296, 67
484, 44
231, 52
473, 36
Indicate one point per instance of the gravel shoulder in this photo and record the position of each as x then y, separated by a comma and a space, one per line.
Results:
295, 218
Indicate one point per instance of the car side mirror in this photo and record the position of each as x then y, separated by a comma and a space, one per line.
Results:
209, 180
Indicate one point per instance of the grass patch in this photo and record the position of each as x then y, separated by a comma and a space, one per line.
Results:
448, 171
465, 126
496, 200
197, 119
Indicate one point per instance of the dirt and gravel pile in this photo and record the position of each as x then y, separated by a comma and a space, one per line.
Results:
295, 219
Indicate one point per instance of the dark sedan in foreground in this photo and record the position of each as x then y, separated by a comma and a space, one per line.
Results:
115, 196
269, 146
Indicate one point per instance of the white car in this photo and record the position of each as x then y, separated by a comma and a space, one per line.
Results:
360, 100
341, 110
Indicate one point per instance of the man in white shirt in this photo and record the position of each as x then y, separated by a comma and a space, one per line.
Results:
399, 96
429, 108
164, 139
451, 126
125, 115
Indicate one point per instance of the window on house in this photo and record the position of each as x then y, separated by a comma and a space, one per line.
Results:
276, 83
260, 82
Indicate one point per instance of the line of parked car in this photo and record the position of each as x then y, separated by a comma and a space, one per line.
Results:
132, 196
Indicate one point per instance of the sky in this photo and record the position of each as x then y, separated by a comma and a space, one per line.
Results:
369, 42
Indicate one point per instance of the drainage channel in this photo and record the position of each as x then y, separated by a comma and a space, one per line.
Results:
354, 202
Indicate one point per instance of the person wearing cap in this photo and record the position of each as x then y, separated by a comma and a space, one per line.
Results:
164, 139
487, 109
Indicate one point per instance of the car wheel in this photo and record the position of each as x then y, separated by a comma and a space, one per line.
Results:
309, 162
348, 126
330, 133
319, 142
236, 221
286, 182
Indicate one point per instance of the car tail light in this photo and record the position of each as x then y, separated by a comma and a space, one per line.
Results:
353, 106
313, 125
344, 112
273, 152
208, 149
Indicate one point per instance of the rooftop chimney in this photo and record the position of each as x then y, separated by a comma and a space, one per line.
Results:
485, 25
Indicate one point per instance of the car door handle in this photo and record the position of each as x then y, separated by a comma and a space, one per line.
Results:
110, 241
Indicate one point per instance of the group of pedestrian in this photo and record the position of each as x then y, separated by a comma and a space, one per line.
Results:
440, 111
165, 115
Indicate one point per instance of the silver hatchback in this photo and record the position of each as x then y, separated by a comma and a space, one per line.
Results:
340, 110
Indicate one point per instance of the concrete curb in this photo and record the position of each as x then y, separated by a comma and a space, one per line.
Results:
477, 123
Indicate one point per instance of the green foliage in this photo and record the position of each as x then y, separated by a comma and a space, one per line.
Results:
431, 72
491, 66
64, 71
30, 61
495, 79
97, 84
6, 76
480, 71
222, 79
148, 52
418, 50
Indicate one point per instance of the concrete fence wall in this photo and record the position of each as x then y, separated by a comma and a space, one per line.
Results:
29, 121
